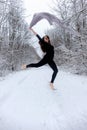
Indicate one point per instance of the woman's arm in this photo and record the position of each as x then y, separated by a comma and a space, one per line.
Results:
36, 34
33, 31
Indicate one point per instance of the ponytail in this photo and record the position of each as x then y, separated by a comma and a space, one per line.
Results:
42, 46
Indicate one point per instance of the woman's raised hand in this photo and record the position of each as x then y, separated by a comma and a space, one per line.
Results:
33, 31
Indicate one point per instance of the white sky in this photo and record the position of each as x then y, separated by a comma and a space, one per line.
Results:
34, 6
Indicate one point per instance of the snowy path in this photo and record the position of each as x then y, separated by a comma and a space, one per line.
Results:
27, 102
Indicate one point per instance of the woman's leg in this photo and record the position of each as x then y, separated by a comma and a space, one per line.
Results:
54, 67
41, 63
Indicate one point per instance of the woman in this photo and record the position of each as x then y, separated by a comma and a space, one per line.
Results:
48, 58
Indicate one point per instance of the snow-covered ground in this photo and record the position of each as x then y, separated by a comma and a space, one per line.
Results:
28, 103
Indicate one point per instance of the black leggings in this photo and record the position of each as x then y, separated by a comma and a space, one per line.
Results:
43, 62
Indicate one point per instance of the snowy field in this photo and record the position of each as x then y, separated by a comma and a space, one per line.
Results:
28, 103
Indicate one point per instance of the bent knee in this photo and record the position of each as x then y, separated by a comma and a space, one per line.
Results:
56, 70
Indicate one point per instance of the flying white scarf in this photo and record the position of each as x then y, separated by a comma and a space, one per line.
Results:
44, 15
51, 19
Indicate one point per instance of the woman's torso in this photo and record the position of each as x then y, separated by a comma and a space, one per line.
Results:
49, 50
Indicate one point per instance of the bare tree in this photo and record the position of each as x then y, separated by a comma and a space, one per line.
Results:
14, 36
71, 49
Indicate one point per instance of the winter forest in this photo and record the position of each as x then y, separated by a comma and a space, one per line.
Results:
15, 37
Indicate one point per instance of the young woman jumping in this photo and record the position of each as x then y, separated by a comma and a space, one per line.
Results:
46, 47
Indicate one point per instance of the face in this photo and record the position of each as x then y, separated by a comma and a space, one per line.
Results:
46, 39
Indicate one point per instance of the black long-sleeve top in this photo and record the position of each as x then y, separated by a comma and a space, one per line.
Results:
49, 49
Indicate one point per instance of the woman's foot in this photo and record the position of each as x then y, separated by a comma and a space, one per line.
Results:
52, 86
23, 67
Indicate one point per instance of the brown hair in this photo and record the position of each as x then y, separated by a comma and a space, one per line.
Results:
47, 37
42, 45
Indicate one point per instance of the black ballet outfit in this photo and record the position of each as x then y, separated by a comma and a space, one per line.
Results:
47, 59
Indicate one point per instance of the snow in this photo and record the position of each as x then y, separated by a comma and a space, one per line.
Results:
28, 103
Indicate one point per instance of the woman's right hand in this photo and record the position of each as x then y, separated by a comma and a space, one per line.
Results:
30, 28
33, 31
